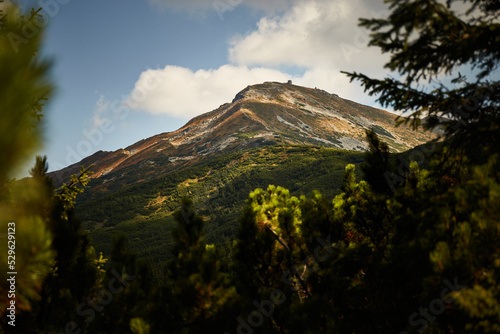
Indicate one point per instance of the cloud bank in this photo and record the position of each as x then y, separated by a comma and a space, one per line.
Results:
321, 37
184, 93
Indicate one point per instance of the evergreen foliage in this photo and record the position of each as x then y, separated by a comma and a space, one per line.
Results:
203, 291
24, 86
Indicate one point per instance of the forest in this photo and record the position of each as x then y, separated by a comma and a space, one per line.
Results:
409, 244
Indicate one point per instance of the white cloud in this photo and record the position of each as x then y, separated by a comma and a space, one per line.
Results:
319, 36
312, 33
183, 93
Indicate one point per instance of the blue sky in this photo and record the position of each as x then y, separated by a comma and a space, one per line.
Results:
127, 70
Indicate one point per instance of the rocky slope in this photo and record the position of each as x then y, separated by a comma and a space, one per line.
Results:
260, 115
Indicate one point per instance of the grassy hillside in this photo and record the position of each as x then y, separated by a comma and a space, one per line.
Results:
218, 187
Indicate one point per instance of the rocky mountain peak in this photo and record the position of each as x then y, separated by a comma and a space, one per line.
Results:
265, 114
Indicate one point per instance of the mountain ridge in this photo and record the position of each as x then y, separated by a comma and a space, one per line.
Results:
260, 115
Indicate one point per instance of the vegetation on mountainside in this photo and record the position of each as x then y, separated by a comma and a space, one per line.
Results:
218, 188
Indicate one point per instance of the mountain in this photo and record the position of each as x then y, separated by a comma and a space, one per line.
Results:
260, 115
272, 133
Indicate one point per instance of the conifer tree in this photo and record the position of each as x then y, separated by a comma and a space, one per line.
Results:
432, 217
205, 297
75, 276
24, 85
56, 265
431, 47
140, 302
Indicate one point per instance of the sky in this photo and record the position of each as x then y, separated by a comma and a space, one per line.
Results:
126, 70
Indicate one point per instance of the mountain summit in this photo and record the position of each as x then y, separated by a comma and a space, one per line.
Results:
266, 114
